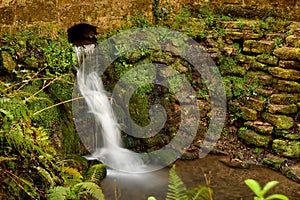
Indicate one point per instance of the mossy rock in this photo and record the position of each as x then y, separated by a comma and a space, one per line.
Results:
282, 109
273, 161
279, 121
289, 149
288, 53
252, 138
248, 113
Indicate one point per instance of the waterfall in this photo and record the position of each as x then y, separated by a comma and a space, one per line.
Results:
107, 148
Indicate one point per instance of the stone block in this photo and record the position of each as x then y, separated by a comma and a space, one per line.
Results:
267, 59
289, 149
289, 74
264, 128
264, 92
265, 79
289, 64
279, 121
288, 53
259, 66
287, 134
250, 137
282, 98
255, 104
261, 46
288, 86
293, 40
282, 109
248, 113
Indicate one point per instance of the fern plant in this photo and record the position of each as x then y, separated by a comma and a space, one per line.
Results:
96, 173
178, 191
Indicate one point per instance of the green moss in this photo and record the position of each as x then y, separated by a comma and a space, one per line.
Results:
289, 149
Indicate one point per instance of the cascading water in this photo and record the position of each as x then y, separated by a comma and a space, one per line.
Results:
108, 149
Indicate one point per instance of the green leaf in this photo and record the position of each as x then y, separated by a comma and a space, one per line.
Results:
88, 189
254, 186
277, 196
151, 198
268, 186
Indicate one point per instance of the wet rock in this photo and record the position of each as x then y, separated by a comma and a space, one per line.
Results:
288, 86
279, 121
248, 113
273, 161
8, 62
293, 40
235, 163
288, 53
293, 172
267, 59
289, 74
255, 104
252, 138
289, 149
282, 98
262, 46
282, 109
261, 127
289, 64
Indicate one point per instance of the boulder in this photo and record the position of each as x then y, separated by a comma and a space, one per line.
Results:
252, 138
279, 121
289, 74
288, 53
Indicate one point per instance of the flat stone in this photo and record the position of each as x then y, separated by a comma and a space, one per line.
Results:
289, 149
250, 137
282, 98
289, 64
293, 172
279, 121
264, 92
288, 53
293, 40
289, 74
267, 59
273, 161
287, 134
259, 66
275, 36
282, 109
261, 46
265, 79
255, 103
288, 86
264, 128
248, 113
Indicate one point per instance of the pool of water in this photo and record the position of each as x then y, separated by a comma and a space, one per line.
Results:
227, 183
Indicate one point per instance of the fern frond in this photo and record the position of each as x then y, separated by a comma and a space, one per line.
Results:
58, 193
96, 173
200, 193
88, 190
71, 176
46, 175
176, 188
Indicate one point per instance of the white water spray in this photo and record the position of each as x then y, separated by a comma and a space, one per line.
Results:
109, 150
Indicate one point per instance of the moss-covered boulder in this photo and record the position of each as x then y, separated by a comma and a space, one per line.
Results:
288, 86
282, 109
289, 74
288, 53
256, 104
261, 46
261, 127
293, 40
267, 59
289, 64
287, 134
252, 138
273, 161
289, 149
283, 98
248, 113
279, 121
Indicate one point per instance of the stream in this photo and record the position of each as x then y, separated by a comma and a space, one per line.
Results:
226, 182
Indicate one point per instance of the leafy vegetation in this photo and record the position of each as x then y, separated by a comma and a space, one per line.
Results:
261, 192
178, 191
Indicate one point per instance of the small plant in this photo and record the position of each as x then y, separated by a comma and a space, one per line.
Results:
260, 193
